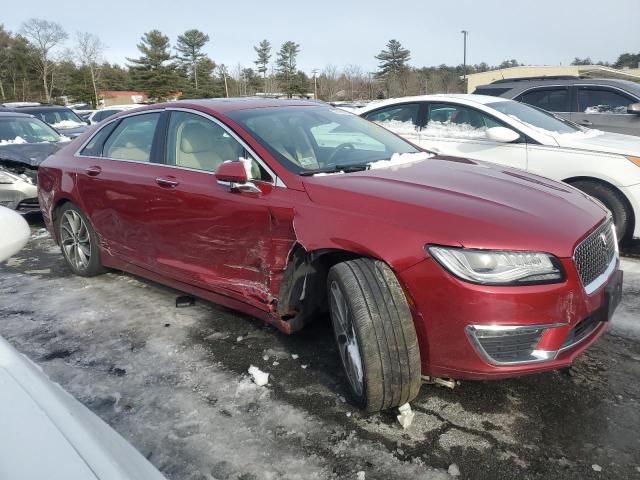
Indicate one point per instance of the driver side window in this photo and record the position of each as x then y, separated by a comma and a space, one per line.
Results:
198, 143
458, 121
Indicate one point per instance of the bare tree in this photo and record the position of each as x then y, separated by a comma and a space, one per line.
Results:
45, 37
89, 50
329, 82
353, 75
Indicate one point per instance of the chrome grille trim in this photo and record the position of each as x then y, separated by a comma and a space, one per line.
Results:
596, 256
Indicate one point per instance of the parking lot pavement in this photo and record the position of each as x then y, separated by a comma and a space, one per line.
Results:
174, 383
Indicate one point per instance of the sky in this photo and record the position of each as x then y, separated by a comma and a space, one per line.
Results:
542, 32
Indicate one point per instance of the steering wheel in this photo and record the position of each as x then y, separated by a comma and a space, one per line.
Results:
339, 149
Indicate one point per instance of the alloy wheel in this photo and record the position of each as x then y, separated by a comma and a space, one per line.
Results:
75, 240
346, 338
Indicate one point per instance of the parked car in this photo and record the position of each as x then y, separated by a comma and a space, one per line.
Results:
603, 165
25, 141
603, 103
63, 119
99, 115
428, 265
85, 114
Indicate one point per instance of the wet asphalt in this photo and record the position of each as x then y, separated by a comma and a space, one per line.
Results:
583, 423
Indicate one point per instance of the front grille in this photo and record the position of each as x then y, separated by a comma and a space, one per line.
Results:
28, 205
595, 253
508, 346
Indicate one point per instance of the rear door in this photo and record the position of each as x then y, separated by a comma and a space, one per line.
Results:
554, 99
459, 130
116, 180
605, 108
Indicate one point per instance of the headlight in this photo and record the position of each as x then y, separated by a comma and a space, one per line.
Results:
499, 267
7, 178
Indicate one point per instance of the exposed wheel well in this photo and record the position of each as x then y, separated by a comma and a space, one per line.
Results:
622, 196
307, 272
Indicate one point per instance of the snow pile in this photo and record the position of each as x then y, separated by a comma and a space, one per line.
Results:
361, 475
66, 124
606, 109
16, 141
64, 138
398, 159
434, 129
259, 377
406, 415
453, 470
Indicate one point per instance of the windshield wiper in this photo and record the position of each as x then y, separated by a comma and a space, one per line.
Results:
348, 168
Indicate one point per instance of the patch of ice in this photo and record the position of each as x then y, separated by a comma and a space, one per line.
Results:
294, 356
16, 141
596, 467
361, 475
259, 377
399, 159
406, 415
453, 470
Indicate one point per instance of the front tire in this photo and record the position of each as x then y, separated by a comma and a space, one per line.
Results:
374, 333
615, 202
78, 241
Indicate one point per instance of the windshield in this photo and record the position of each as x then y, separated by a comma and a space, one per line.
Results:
307, 139
534, 117
59, 118
16, 130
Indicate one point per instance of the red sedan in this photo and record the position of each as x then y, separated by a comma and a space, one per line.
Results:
428, 266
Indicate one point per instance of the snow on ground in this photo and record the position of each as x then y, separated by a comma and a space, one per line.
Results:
626, 320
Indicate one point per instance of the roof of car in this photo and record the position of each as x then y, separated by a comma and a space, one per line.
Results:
564, 80
441, 97
233, 104
11, 113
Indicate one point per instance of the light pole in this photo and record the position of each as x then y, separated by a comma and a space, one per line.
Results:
464, 61
315, 83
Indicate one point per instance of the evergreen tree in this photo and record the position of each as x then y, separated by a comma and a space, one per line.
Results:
286, 63
628, 60
189, 47
264, 55
152, 72
394, 60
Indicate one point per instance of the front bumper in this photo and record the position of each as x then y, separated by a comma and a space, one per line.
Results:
459, 324
22, 197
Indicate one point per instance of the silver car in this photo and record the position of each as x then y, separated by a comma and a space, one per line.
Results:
25, 142
603, 103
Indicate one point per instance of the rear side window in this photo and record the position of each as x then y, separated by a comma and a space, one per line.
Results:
132, 139
94, 147
407, 112
602, 100
550, 99
491, 91
458, 121
102, 114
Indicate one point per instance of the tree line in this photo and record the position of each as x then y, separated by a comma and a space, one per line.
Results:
41, 62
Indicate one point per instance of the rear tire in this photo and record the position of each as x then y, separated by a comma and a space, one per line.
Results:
615, 202
374, 333
78, 241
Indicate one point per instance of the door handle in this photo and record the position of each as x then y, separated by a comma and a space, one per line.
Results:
167, 182
93, 171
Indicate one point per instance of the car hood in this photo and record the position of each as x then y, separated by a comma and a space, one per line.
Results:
454, 201
30, 154
598, 141
46, 433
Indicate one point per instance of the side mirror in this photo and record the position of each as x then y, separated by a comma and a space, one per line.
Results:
634, 108
502, 134
232, 172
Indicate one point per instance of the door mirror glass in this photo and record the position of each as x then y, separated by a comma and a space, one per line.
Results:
502, 134
232, 172
634, 108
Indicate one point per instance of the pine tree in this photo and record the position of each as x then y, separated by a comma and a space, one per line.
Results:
264, 55
152, 72
394, 68
286, 63
189, 47
394, 60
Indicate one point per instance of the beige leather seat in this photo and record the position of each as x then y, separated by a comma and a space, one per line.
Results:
196, 147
